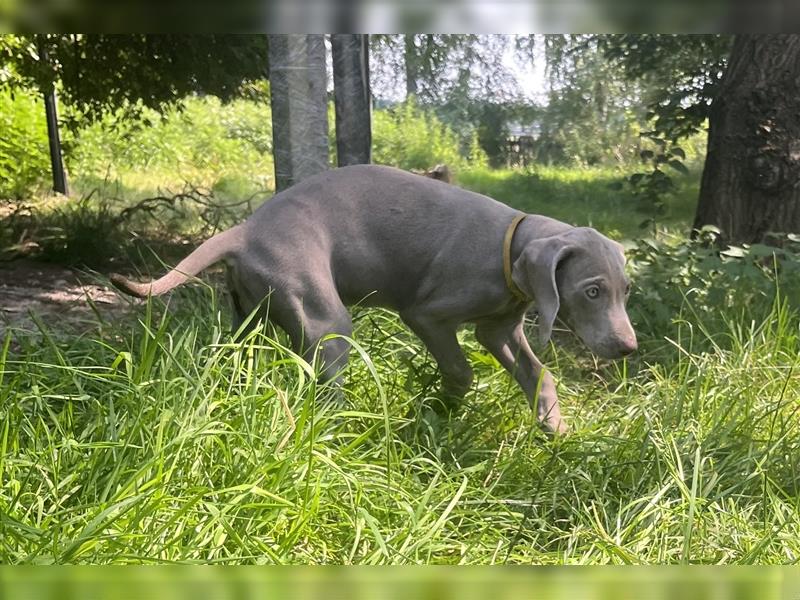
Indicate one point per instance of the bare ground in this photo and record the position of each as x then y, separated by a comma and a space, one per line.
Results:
61, 299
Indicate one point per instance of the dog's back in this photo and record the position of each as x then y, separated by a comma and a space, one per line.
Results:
384, 231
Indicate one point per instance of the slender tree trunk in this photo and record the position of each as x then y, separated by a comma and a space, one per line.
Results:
53, 137
352, 98
750, 186
299, 106
411, 61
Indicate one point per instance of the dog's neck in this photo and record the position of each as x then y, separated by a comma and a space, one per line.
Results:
511, 242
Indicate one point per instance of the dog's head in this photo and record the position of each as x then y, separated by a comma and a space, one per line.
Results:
580, 275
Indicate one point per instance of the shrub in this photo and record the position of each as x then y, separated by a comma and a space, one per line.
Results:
409, 138
24, 160
695, 281
201, 140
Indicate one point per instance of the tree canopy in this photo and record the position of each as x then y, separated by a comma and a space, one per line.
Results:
99, 72
679, 75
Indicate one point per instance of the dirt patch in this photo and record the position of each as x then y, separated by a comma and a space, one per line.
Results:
61, 299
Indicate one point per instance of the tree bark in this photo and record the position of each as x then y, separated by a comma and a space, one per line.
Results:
411, 61
750, 185
352, 98
53, 137
299, 107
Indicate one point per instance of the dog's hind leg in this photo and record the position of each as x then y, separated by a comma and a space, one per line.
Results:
238, 313
243, 303
309, 320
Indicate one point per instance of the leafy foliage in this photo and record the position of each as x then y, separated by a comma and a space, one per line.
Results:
410, 138
741, 281
202, 141
679, 74
24, 162
593, 115
465, 80
673, 77
444, 69
653, 187
98, 73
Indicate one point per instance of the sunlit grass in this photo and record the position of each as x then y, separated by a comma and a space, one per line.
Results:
163, 441
584, 196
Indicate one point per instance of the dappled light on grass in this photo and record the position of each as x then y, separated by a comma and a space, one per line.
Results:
163, 441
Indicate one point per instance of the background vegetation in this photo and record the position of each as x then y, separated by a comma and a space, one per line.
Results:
24, 162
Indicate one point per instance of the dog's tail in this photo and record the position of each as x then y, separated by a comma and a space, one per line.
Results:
213, 250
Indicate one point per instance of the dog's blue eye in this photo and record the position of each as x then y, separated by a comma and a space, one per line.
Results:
593, 292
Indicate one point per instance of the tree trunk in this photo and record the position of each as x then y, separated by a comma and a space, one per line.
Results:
53, 137
352, 98
299, 106
411, 61
749, 188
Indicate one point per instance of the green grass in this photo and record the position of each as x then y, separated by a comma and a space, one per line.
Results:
584, 197
161, 441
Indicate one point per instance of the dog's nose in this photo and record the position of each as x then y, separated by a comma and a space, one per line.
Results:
627, 345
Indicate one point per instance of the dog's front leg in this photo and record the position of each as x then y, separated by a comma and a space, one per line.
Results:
440, 339
506, 341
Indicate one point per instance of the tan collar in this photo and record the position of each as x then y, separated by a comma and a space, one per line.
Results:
507, 258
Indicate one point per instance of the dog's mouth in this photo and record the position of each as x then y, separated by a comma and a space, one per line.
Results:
611, 347
615, 347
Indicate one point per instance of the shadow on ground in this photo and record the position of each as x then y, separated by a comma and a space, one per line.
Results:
60, 298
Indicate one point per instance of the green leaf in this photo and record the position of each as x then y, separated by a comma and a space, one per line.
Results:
678, 166
762, 250
734, 252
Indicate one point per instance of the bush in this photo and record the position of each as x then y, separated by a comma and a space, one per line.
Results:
201, 140
24, 159
697, 282
412, 139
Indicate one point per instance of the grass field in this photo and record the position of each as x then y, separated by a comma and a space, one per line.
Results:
161, 441
585, 197
156, 439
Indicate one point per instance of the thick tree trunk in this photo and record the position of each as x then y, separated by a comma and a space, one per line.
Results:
352, 98
299, 107
751, 180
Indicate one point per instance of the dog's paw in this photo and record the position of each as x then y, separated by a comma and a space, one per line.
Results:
554, 426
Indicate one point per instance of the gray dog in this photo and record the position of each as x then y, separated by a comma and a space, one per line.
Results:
437, 254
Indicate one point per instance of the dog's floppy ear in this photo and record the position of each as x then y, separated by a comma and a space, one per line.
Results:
534, 272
